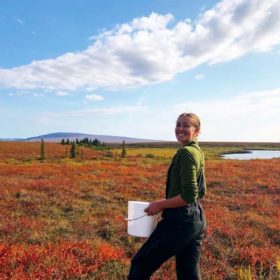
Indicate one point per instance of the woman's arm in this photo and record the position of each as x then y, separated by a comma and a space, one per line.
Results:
188, 182
157, 206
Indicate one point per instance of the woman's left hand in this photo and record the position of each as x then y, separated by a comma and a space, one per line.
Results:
153, 208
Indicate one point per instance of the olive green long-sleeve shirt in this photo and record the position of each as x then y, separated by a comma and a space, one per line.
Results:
184, 174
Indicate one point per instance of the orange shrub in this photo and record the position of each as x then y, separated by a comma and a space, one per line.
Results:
64, 219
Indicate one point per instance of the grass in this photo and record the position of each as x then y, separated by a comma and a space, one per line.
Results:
64, 218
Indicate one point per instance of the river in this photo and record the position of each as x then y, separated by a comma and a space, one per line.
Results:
254, 154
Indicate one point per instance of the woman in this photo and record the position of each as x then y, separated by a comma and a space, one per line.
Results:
180, 232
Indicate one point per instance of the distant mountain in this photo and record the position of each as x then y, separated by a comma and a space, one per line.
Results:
58, 136
11, 139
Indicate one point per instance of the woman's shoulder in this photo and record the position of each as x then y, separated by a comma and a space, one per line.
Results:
190, 152
186, 154
191, 148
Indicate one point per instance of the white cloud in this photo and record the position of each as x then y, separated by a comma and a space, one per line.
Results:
25, 93
93, 112
93, 97
199, 77
149, 50
244, 117
61, 93
35, 94
90, 89
19, 20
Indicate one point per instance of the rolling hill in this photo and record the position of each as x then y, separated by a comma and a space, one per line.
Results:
58, 136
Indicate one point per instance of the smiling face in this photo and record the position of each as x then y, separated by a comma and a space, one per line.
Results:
185, 131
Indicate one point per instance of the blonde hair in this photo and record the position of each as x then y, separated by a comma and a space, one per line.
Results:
194, 119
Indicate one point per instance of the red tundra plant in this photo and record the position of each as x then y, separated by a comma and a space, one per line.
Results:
52, 261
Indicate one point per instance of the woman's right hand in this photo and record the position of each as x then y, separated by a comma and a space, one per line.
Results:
153, 208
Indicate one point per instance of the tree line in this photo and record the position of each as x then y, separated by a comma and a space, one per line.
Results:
86, 142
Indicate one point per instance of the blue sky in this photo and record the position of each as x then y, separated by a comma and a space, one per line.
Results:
128, 68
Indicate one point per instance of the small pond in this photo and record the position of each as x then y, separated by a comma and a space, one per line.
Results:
254, 154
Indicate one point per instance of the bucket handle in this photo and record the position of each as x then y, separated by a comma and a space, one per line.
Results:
129, 220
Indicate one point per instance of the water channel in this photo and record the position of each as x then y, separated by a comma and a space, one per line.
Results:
253, 154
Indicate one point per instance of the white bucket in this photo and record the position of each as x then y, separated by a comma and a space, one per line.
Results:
138, 222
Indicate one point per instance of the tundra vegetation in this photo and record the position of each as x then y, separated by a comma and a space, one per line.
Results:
63, 218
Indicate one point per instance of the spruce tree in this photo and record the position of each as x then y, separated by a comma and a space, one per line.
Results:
42, 150
73, 150
124, 153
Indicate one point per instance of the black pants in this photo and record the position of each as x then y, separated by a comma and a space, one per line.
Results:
179, 233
